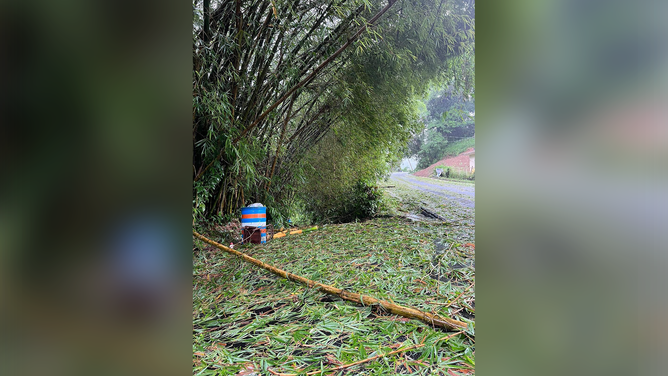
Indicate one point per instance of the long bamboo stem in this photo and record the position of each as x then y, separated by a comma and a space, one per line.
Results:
315, 71
412, 313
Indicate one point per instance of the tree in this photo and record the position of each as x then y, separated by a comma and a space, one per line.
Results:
448, 118
285, 88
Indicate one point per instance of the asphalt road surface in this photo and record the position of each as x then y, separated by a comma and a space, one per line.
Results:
462, 193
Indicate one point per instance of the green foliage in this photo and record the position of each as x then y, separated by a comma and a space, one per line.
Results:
432, 149
453, 173
458, 147
449, 120
337, 185
436, 150
346, 125
364, 202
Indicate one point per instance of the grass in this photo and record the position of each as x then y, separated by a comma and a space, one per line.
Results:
249, 321
454, 174
458, 147
452, 149
430, 180
406, 200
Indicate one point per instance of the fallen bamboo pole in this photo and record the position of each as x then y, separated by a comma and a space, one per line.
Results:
285, 233
411, 313
294, 232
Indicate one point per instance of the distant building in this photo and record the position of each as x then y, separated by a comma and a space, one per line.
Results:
470, 152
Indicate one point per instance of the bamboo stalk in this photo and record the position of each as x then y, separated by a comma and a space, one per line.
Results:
411, 313
280, 140
315, 71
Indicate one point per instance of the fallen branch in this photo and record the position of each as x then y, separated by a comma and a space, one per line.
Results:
411, 313
431, 214
416, 346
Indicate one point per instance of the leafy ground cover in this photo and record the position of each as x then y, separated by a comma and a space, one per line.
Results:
248, 321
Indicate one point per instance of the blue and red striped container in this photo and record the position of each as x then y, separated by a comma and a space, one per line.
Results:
255, 218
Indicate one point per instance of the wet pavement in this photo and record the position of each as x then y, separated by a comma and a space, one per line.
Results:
462, 193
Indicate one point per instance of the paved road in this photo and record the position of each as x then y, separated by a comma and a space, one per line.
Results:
462, 193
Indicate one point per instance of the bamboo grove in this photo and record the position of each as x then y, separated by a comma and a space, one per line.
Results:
303, 99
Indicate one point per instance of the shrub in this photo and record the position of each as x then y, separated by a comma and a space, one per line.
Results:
362, 200
366, 201
452, 173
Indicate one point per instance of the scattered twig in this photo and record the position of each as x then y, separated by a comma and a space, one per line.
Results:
416, 346
460, 295
436, 303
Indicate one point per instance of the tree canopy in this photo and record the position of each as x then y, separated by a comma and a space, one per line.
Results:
300, 101
448, 115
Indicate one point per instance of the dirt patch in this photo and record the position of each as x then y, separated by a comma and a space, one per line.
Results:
460, 162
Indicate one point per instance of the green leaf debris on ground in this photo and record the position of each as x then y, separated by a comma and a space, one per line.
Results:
248, 321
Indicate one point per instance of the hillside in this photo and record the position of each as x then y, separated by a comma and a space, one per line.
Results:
460, 162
